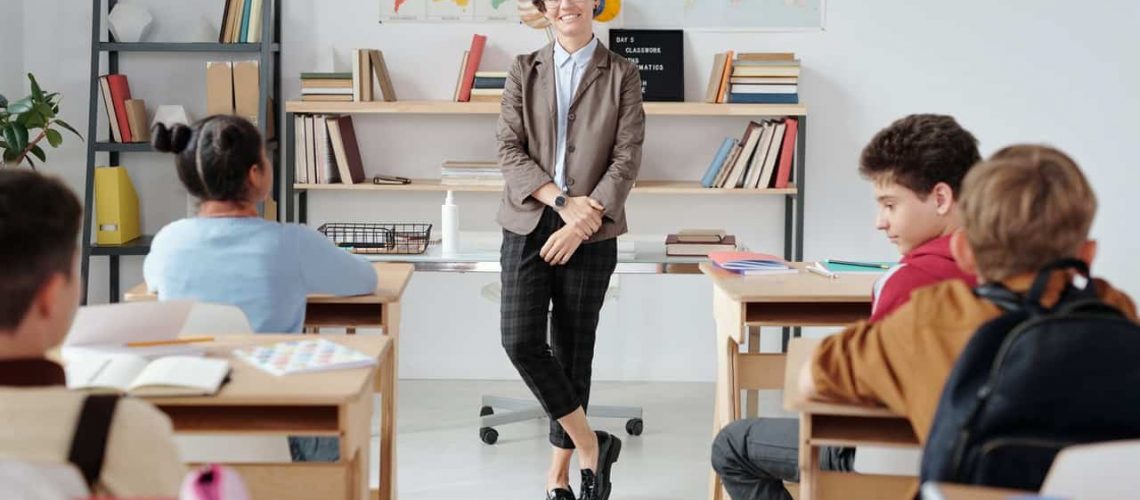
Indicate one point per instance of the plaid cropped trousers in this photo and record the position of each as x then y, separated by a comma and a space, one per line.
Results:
557, 370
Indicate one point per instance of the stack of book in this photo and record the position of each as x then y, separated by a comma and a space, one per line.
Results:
699, 242
326, 150
354, 86
754, 77
468, 67
750, 263
488, 86
127, 116
241, 21
470, 173
326, 86
761, 159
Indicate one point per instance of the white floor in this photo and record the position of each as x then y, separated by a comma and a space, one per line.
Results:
441, 457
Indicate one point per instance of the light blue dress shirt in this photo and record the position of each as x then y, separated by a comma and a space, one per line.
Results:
568, 70
264, 268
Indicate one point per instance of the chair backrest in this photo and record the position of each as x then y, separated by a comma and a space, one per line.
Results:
41, 481
1095, 471
216, 319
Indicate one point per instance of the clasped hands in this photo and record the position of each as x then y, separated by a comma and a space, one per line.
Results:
583, 218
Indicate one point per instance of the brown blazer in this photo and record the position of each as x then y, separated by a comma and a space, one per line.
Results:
605, 131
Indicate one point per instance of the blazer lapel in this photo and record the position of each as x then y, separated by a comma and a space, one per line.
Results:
598, 62
545, 69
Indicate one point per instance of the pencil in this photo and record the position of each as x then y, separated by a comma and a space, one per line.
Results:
873, 265
185, 340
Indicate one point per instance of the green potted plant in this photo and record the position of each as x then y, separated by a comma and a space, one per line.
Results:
33, 117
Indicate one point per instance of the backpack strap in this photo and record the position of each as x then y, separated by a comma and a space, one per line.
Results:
1006, 299
1042, 280
89, 443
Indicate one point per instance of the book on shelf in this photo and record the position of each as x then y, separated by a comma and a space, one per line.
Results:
501, 75
764, 98
383, 78
722, 89
764, 80
300, 139
219, 88
326, 98
459, 78
330, 75
470, 173
254, 34
787, 154
247, 91
762, 88
241, 21
470, 66
303, 356
116, 92
718, 161
765, 71
342, 137
750, 263
766, 56
733, 155
768, 169
136, 119
327, 83
329, 91
135, 375
715, 77
739, 170
361, 69
756, 165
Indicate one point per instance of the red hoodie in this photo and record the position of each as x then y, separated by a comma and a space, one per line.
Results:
925, 265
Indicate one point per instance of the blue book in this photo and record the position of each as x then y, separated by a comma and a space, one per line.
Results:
243, 37
482, 82
717, 162
765, 98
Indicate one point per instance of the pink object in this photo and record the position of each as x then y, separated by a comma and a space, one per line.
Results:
213, 482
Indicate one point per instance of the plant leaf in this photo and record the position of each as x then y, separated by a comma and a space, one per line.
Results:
31, 163
19, 135
53, 137
37, 92
3, 101
38, 152
45, 110
68, 127
22, 106
10, 138
10, 155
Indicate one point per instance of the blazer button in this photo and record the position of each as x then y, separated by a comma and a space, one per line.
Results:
569, 181
570, 117
570, 148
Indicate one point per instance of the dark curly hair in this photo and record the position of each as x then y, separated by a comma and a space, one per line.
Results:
919, 151
213, 156
39, 220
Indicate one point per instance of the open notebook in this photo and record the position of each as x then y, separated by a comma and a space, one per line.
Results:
132, 374
303, 356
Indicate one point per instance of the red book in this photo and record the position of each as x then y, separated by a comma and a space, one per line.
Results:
475, 54
784, 171
120, 92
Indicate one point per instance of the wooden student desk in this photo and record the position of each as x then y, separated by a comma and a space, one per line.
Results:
381, 309
950, 491
800, 299
828, 424
335, 403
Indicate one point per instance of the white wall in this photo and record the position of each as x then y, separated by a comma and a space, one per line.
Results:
1026, 70
12, 50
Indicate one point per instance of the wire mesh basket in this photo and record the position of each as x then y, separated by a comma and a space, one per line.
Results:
370, 238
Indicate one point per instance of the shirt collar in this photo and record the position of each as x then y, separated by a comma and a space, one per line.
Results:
30, 372
580, 58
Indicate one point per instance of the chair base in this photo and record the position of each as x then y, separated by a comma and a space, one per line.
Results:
521, 410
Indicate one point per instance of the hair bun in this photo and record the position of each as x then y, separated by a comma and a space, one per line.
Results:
171, 140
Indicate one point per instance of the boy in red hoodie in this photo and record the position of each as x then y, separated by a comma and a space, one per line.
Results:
916, 165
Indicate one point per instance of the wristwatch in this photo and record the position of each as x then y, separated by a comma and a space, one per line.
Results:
559, 201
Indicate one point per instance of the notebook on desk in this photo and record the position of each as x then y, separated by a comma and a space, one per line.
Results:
751, 263
135, 375
107, 329
303, 356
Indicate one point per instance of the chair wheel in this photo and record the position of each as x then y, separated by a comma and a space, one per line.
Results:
486, 410
634, 426
488, 435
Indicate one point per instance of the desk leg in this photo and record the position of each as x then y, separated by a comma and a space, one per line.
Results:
809, 460
752, 397
388, 395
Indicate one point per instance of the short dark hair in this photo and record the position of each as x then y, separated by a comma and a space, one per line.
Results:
540, 5
919, 151
213, 156
39, 222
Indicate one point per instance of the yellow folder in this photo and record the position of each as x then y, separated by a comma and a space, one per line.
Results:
116, 206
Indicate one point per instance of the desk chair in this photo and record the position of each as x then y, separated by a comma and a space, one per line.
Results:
521, 410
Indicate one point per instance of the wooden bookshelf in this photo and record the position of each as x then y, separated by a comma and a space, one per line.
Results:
492, 108
646, 187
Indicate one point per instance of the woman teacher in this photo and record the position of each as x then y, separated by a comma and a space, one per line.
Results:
570, 136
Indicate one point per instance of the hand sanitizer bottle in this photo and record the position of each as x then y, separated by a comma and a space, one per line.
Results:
449, 213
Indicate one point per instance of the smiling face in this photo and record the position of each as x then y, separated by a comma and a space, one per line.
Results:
571, 18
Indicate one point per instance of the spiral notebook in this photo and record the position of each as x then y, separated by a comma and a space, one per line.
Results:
303, 356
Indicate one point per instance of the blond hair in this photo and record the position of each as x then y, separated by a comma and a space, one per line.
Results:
1024, 207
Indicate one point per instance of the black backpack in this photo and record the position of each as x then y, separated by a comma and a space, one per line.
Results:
1032, 382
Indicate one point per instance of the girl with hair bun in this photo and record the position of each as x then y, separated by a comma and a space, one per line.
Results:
228, 254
